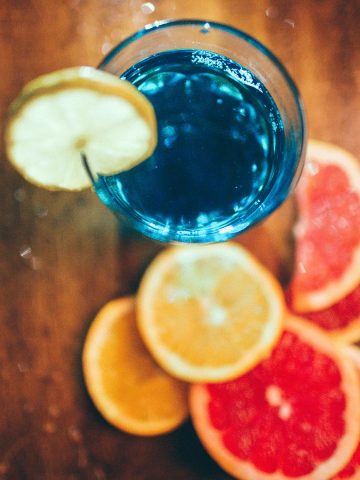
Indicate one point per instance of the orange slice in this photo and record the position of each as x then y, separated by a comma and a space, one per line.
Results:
125, 384
327, 253
63, 115
209, 313
296, 415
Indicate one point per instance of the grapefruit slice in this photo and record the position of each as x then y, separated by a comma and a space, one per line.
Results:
352, 470
341, 321
63, 115
209, 313
295, 415
126, 385
327, 252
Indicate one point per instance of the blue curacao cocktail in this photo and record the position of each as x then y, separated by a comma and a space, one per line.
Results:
230, 137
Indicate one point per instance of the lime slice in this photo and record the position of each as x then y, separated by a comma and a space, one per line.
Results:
62, 115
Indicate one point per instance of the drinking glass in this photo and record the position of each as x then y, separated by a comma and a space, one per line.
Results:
231, 132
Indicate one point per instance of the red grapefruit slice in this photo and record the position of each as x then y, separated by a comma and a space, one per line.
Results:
352, 469
341, 321
327, 253
295, 415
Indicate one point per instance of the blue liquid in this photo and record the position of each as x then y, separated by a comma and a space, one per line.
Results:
219, 152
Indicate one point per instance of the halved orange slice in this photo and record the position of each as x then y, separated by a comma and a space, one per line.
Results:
209, 313
126, 385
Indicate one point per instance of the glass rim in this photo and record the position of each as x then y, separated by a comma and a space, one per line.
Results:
162, 24
196, 237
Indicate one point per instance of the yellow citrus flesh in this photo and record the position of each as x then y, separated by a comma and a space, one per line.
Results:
126, 385
61, 115
209, 313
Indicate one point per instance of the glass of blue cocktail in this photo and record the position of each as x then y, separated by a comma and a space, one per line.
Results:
231, 132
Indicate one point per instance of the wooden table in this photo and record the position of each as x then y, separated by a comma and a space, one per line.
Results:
62, 255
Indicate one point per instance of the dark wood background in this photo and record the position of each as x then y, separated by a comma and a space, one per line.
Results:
62, 255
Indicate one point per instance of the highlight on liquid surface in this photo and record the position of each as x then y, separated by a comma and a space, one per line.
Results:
218, 155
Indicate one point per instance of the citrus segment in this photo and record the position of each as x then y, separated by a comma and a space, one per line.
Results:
125, 384
353, 352
295, 415
208, 313
341, 320
61, 115
352, 470
327, 254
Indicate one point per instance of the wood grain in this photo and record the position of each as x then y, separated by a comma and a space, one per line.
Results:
62, 255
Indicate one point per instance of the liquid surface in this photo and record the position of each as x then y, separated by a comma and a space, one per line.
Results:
219, 146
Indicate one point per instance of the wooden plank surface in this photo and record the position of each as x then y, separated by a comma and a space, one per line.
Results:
62, 255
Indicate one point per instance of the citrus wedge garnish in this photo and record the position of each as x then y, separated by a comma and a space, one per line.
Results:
63, 115
209, 313
296, 415
327, 233
126, 385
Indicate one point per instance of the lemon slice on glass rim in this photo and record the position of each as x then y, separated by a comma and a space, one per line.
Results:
62, 116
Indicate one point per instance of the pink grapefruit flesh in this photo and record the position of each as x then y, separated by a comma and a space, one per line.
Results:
295, 415
342, 320
327, 253
352, 470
